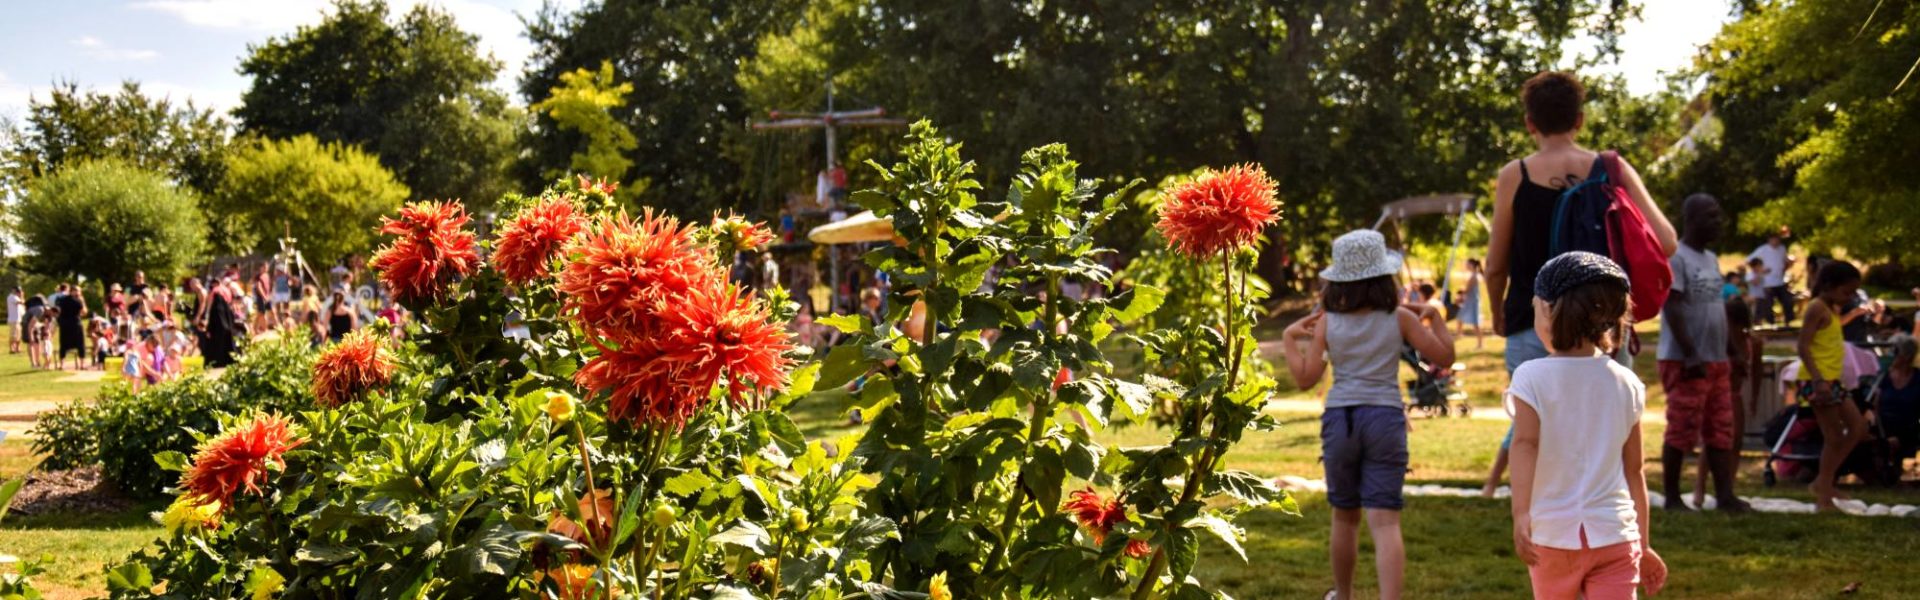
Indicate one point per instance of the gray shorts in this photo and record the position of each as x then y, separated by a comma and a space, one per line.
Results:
1364, 449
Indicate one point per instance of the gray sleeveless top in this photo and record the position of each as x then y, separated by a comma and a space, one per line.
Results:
1364, 348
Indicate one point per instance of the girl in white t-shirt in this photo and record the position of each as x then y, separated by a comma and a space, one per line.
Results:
1579, 490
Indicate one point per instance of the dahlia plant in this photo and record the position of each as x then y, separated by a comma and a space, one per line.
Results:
631, 444
984, 401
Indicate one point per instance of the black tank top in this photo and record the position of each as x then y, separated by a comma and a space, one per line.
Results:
1532, 221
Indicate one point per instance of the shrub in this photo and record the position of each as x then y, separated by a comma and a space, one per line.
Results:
122, 431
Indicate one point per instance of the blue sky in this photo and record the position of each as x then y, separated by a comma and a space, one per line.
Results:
191, 48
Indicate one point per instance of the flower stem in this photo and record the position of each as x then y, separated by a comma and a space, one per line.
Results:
1196, 478
586, 464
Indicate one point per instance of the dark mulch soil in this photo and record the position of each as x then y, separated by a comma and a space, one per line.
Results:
76, 490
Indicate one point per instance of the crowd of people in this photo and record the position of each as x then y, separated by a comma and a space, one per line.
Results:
149, 330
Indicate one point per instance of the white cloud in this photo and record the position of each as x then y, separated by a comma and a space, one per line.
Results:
13, 98
250, 15
96, 48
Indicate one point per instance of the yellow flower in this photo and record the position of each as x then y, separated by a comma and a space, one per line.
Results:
561, 406
188, 513
937, 589
264, 583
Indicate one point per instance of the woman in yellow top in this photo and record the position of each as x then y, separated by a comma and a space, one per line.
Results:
1822, 354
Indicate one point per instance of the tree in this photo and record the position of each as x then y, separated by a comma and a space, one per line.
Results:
1347, 104
687, 108
414, 93
70, 126
106, 219
1818, 128
329, 196
583, 104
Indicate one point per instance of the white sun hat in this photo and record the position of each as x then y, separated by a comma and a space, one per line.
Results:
1361, 254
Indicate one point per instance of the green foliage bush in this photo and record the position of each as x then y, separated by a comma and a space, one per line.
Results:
122, 431
106, 219
330, 196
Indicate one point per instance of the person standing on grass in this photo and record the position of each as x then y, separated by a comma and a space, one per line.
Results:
1774, 262
1694, 367
1470, 304
73, 337
1525, 195
1822, 356
1580, 516
33, 330
1359, 329
16, 318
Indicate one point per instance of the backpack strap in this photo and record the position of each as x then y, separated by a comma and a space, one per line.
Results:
1610, 160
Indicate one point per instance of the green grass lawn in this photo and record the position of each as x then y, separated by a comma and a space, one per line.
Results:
19, 381
78, 546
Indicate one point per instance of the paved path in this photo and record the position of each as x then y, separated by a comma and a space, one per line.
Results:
1759, 503
1309, 405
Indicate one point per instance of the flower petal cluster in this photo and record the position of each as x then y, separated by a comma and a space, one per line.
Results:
347, 370
735, 234
432, 250
1095, 511
1219, 210
239, 459
528, 244
622, 273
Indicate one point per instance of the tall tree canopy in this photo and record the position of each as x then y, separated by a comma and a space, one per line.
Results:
1815, 118
70, 126
686, 109
583, 103
414, 93
1347, 103
328, 195
105, 219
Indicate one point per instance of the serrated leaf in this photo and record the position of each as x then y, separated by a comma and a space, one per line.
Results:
132, 577
848, 324
686, 484
1245, 487
324, 554
171, 460
1222, 529
746, 534
843, 363
1142, 301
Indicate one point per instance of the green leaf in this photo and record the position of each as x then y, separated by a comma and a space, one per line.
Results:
842, 365
1044, 472
1141, 301
132, 578
1245, 487
1220, 528
1183, 552
746, 534
1137, 399
848, 324
7, 492
322, 554
171, 461
686, 484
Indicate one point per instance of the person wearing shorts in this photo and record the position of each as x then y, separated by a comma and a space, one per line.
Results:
1694, 367
1359, 331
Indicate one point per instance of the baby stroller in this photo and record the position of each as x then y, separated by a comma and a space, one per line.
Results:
1794, 438
1432, 387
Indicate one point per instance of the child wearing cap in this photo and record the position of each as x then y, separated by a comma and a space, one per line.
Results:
1359, 329
1578, 523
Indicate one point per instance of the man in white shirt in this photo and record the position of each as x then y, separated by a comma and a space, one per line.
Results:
16, 318
1773, 256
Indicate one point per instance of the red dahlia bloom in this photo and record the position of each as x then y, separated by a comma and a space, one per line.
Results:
711, 335
238, 459
430, 252
1138, 549
623, 273
346, 371
1095, 511
1219, 210
529, 242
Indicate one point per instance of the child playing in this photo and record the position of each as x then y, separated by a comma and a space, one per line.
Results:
1578, 524
1822, 356
1359, 329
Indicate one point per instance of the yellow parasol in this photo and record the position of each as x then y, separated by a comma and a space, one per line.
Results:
863, 227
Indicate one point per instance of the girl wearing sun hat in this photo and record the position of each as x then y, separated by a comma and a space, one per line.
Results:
1359, 329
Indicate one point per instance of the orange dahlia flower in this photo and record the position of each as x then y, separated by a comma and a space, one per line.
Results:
346, 371
711, 335
1095, 511
528, 243
623, 272
1219, 210
597, 186
431, 251
1138, 549
238, 459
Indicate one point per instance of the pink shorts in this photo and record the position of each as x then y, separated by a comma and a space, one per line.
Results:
1609, 572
